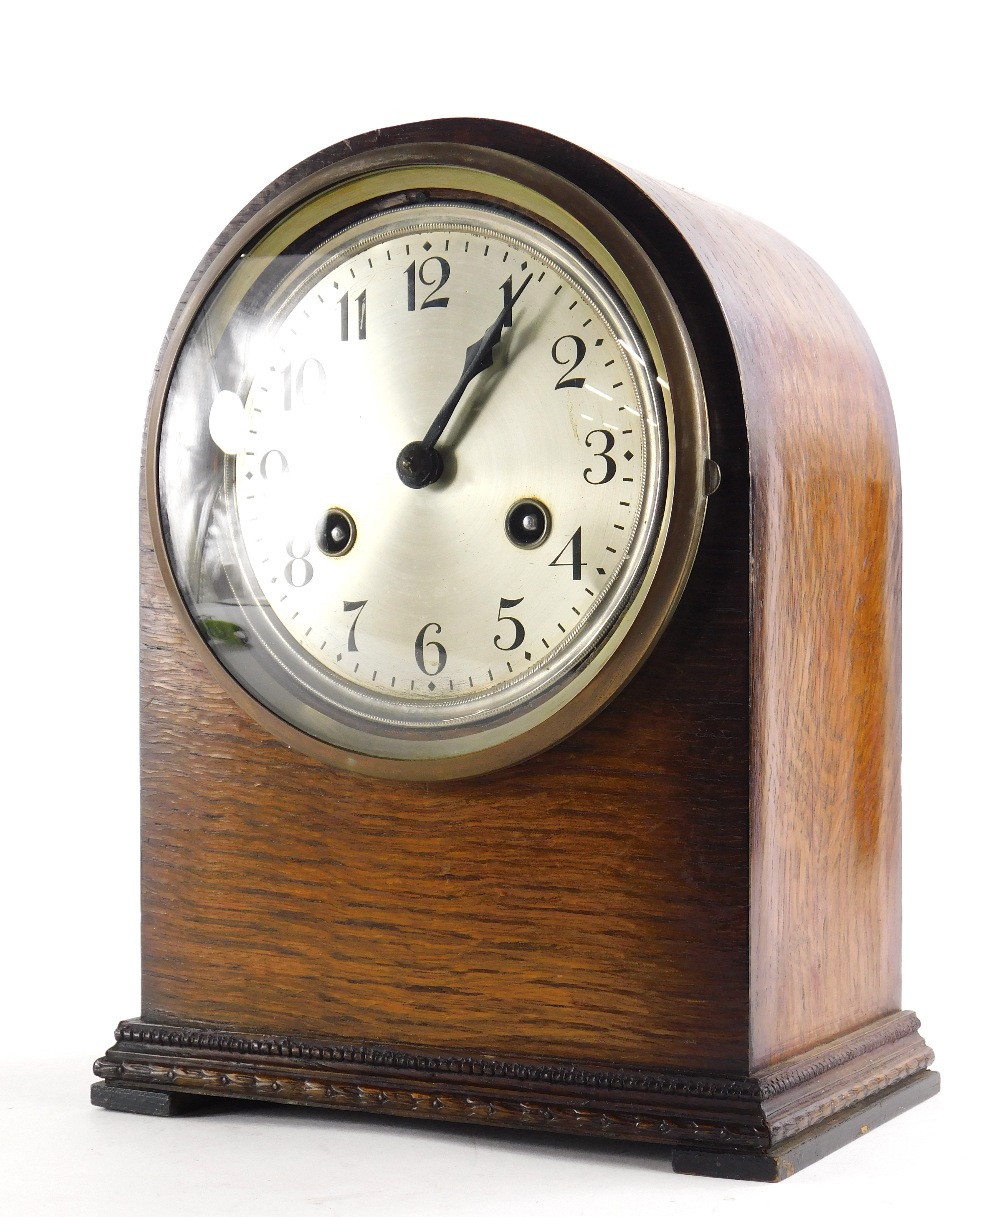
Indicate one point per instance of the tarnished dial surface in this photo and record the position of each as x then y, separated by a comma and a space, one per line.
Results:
344, 593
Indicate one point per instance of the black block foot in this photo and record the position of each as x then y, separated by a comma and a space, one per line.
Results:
144, 1102
788, 1157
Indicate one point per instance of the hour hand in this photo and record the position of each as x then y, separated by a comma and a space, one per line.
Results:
419, 463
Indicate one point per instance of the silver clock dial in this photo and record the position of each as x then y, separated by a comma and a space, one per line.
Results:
439, 601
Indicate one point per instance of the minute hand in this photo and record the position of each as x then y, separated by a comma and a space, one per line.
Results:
478, 358
419, 464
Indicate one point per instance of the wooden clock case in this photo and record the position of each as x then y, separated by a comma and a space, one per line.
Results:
680, 925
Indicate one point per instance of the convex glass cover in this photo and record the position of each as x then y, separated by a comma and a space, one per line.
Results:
415, 468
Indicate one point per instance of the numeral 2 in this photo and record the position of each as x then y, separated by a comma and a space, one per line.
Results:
566, 381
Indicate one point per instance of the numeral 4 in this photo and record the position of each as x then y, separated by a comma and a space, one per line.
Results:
575, 547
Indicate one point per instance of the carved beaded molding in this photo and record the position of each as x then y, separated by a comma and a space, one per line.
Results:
270, 1084
799, 1121
763, 1086
810, 1065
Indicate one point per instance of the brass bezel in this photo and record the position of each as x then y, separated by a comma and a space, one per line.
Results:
348, 181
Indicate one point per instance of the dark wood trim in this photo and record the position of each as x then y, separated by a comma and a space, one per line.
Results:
140, 1036
674, 1108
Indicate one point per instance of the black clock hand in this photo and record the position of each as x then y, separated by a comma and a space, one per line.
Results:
419, 463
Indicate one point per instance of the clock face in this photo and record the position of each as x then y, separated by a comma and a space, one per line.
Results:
414, 471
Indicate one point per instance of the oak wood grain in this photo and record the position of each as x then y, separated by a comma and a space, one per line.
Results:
574, 904
825, 637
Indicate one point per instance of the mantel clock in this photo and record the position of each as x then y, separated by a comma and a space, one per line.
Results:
520, 652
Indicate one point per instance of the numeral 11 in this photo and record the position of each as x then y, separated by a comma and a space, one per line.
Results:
345, 320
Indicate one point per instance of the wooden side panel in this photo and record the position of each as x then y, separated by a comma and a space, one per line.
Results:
590, 904
825, 619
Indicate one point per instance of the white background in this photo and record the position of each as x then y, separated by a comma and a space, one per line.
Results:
867, 133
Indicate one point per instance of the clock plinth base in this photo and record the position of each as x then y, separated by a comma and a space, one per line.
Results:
764, 1125
791, 1156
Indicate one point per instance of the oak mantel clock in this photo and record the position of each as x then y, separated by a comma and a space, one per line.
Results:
520, 645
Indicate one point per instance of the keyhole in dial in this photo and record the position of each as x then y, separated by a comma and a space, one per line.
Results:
527, 524
337, 532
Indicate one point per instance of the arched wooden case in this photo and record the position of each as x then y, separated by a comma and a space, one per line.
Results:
681, 925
